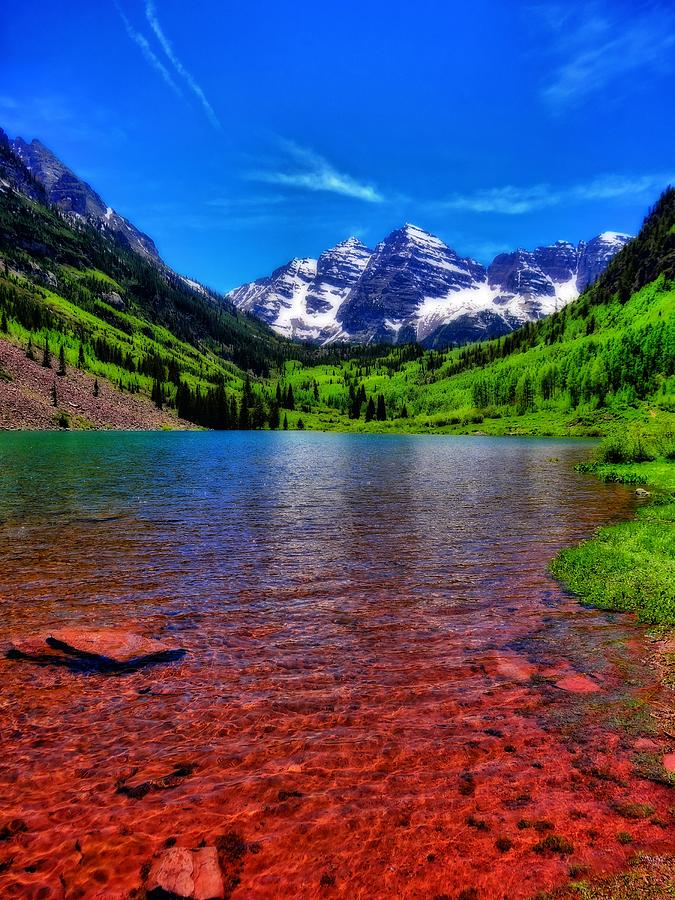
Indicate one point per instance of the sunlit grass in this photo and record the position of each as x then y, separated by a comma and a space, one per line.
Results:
630, 566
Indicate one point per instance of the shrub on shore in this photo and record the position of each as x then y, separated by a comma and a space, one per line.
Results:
625, 447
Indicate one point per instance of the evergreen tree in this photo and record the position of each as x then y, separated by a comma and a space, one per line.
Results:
381, 409
96, 389
370, 410
356, 400
351, 402
404, 412
62, 362
80, 357
46, 356
279, 398
316, 391
273, 418
258, 412
55, 399
285, 422
157, 394
301, 425
4, 325
30, 353
524, 393
290, 399
244, 419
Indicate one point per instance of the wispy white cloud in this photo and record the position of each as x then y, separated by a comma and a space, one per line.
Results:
598, 48
307, 170
148, 53
151, 15
234, 203
511, 200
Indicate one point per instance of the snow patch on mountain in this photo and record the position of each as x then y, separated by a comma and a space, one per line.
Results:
413, 287
302, 298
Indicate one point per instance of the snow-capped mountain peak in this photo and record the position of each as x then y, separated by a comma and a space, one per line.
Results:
614, 237
301, 298
413, 287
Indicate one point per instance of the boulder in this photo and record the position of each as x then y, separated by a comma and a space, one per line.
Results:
641, 492
192, 874
577, 684
114, 299
84, 648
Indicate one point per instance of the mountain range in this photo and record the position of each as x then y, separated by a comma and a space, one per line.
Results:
141, 346
413, 287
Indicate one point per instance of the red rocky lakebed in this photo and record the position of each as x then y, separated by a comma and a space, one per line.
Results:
384, 692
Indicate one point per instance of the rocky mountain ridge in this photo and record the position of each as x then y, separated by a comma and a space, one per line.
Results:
413, 287
73, 196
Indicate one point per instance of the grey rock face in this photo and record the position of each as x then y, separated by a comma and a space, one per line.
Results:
301, 298
595, 256
337, 271
413, 287
15, 173
268, 298
75, 197
408, 267
518, 273
558, 262
114, 299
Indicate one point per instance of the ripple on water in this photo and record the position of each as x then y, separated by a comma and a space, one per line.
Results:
377, 694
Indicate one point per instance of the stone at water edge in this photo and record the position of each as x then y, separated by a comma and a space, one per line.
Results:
577, 684
643, 743
516, 668
207, 875
173, 872
33, 648
105, 648
191, 874
118, 646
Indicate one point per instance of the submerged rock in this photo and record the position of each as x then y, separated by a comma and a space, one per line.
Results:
188, 873
102, 649
173, 779
515, 668
669, 763
578, 684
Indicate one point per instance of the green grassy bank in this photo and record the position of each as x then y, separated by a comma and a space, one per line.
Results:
631, 566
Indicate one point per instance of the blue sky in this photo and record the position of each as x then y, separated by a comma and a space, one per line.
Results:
241, 134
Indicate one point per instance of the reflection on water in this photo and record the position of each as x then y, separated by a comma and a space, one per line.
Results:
373, 644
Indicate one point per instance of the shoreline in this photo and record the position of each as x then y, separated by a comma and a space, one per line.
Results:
580, 570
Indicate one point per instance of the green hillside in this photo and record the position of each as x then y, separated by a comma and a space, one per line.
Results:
69, 287
607, 357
